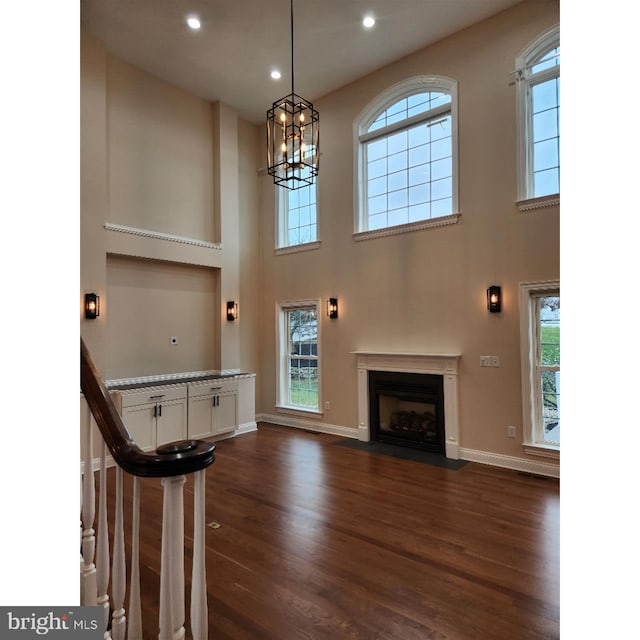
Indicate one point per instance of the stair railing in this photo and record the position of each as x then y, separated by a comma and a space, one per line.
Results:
172, 463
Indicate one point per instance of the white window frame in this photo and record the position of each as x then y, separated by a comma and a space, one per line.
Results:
531, 394
282, 224
550, 39
380, 103
282, 356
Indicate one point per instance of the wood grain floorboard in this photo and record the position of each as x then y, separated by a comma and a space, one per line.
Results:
322, 542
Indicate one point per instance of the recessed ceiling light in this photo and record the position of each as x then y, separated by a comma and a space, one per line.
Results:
193, 22
276, 75
368, 21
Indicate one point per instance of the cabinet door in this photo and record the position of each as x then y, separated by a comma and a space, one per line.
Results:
141, 425
171, 421
226, 412
201, 416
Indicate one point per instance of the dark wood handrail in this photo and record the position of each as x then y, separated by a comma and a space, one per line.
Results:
173, 459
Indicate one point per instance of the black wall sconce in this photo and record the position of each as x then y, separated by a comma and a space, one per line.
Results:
232, 310
332, 307
494, 298
91, 306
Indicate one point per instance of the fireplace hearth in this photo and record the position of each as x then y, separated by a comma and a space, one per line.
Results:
407, 409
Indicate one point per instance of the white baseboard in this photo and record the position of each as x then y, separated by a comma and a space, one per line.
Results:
511, 462
483, 457
247, 427
309, 425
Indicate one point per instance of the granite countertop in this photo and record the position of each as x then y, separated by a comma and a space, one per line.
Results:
143, 384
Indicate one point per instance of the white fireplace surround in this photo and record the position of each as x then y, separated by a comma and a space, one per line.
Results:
445, 365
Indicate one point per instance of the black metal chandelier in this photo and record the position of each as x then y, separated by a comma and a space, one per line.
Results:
293, 138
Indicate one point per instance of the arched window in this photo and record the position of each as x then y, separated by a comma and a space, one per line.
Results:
407, 164
538, 109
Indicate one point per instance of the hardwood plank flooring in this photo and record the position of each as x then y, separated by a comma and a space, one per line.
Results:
323, 542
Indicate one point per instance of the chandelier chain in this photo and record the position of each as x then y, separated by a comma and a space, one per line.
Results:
292, 76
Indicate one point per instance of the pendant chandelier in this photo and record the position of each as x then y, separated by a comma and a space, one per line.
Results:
292, 138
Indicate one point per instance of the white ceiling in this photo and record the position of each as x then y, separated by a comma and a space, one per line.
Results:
240, 41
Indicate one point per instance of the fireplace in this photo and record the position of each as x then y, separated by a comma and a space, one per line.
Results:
445, 366
407, 409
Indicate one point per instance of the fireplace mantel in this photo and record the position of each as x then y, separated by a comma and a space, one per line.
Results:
444, 364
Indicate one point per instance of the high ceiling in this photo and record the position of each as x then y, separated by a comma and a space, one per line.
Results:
230, 57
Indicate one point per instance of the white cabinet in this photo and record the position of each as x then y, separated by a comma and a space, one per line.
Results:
155, 415
213, 408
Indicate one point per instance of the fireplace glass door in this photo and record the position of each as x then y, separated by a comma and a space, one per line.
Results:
407, 409
408, 418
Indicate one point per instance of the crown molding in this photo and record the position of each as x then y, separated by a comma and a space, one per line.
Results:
157, 235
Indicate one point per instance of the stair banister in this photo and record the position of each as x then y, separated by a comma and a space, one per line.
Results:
171, 462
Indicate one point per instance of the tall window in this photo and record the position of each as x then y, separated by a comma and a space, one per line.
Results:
299, 363
407, 150
297, 216
540, 309
538, 79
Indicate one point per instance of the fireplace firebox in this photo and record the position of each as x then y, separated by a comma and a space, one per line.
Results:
407, 409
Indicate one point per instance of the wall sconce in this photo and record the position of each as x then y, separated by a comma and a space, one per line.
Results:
91, 306
332, 307
494, 298
232, 310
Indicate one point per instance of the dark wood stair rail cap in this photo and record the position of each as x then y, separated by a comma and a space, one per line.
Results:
173, 459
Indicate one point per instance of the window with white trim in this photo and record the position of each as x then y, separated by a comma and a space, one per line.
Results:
538, 109
407, 166
298, 343
297, 216
540, 328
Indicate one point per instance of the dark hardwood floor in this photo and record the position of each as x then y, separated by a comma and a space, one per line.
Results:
322, 542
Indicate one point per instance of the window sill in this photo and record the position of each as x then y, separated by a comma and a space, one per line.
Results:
538, 203
307, 246
297, 411
407, 228
542, 450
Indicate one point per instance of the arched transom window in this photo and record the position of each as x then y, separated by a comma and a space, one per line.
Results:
538, 97
407, 156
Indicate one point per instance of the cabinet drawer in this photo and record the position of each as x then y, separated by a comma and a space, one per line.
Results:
211, 387
153, 395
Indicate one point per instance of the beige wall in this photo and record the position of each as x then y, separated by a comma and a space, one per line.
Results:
250, 153
160, 155
425, 291
152, 301
166, 164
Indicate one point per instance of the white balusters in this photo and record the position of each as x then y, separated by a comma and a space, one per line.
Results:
199, 618
135, 610
88, 586
102, 558
171, 620
118, 624
101, 567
